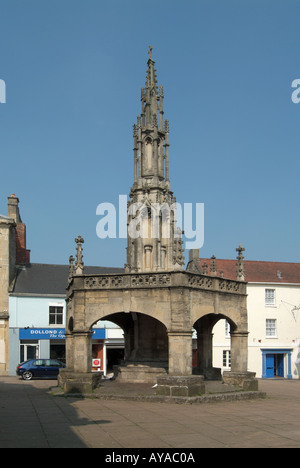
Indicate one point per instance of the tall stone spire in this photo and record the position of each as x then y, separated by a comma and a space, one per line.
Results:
151, 134
150, 93
154, 241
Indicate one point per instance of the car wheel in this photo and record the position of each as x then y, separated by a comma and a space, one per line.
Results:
27, 375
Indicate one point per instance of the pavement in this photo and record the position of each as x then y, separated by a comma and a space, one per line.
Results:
33, 416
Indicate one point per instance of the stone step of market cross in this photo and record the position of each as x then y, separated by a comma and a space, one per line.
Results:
217, 386
111, 387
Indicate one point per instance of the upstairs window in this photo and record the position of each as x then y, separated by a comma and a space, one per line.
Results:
56, 315
271, 328
270, 297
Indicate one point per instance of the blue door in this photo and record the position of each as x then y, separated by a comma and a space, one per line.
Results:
270, 366
277, 363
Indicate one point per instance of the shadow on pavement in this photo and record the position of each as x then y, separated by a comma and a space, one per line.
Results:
31, 417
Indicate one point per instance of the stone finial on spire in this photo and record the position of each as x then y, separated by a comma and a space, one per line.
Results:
240, 274
150, 52
79, 265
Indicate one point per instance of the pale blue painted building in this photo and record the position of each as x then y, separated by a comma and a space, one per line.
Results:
37, 317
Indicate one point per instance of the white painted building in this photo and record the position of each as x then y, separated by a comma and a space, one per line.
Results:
273, 319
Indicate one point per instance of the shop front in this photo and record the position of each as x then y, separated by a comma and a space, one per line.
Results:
49, 343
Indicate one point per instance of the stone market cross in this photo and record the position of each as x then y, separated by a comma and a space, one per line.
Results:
157, 303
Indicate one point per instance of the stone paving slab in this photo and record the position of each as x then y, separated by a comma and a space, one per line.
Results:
32, 417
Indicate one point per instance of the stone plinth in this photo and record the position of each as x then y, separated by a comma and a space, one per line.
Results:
138, 373
210, 373
78, 382
244, 380
187, 386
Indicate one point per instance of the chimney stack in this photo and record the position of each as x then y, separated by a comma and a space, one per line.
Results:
22, 254
13, 209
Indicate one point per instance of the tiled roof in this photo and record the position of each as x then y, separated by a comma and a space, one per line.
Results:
259, 272
38, 278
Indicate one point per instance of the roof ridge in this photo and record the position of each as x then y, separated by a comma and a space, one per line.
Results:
253, 261
66, 265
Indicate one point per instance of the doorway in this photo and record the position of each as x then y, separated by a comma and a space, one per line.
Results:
114, 357
274, 365
277, 363
28, 350
58, 350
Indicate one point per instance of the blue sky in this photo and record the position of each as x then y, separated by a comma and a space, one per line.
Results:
73, 71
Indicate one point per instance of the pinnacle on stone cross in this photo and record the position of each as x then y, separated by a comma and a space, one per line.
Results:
134, 131
240, 274
71, 267
213, 266
79, 265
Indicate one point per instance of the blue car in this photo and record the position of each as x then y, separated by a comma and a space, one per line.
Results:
40, 368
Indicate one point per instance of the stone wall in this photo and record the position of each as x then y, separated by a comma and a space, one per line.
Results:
7, 271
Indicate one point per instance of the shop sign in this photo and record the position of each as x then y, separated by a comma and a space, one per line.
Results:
97, 362
53, 334
42, 334
99, 334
